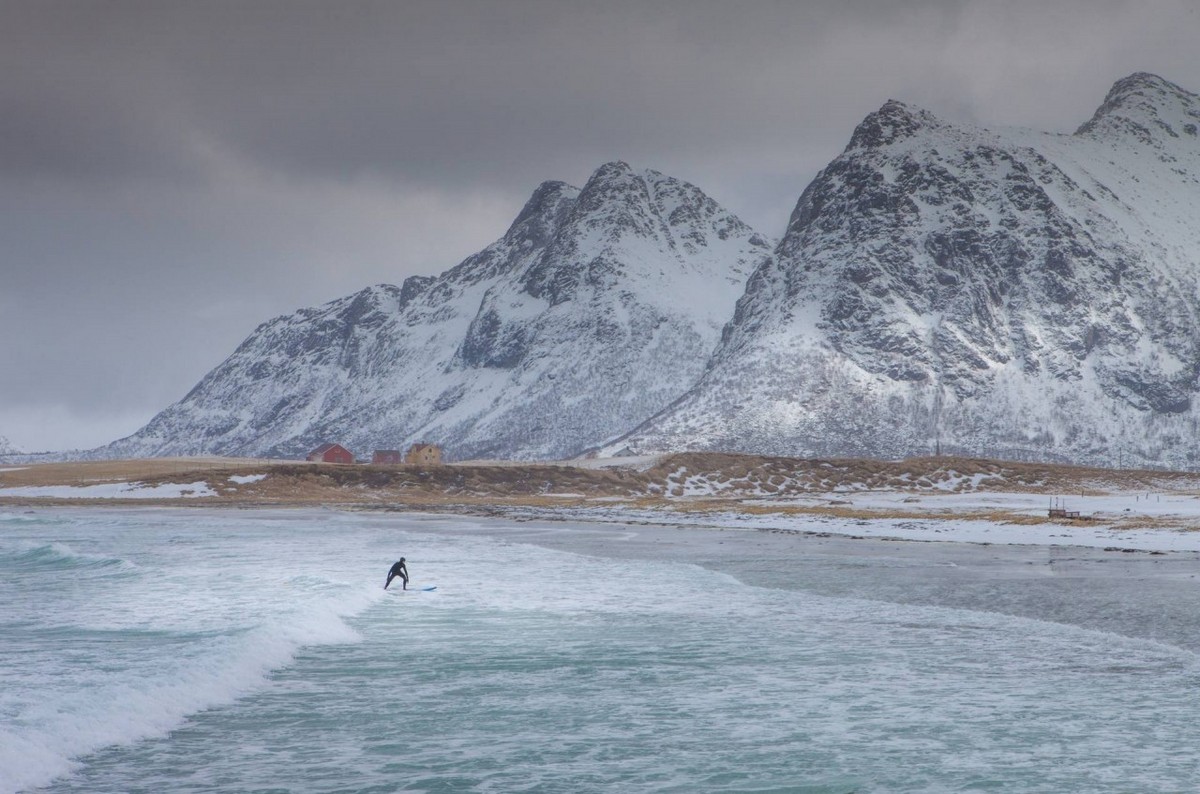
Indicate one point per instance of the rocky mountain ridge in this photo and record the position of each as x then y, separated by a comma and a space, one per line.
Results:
597, 308
1004, 293
940, 287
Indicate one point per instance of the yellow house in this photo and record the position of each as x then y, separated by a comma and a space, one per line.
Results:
424, 455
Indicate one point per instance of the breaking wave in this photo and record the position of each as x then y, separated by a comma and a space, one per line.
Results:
193, 673
59, 556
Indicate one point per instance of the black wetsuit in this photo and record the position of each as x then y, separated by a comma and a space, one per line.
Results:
399, 569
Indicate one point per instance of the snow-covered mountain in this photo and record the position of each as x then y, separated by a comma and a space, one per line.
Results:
1004, 293
594, 311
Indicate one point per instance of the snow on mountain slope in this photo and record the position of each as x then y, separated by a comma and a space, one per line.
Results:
1002, 293
596, 309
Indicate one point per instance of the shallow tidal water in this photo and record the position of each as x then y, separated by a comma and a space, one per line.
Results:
203, 650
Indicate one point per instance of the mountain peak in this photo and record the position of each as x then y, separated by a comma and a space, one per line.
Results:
614, 170
1142, 84
622, 213
893, 122
1146, 106
618, 194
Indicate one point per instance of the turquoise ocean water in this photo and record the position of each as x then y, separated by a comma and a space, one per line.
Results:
241, 651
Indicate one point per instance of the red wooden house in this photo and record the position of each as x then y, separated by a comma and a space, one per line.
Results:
331, 453
387, 456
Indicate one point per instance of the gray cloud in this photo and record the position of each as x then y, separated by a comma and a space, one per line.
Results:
173, 173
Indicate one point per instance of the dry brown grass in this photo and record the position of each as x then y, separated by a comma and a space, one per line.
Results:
479, 486
767, 508
90, 472
783, 476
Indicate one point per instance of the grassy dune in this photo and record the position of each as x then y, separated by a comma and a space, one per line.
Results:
687, 483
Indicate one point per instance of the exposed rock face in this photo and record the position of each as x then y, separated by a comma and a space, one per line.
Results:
595, 310
1012, 294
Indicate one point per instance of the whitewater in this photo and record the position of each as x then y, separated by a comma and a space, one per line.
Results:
190, 650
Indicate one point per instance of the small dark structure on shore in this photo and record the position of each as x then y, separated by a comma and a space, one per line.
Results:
1062, 512
330, 453
387, 457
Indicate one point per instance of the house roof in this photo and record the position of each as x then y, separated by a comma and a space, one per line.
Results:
325, 448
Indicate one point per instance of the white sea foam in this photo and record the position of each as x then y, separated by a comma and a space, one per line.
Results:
130, 659
80, 720
138, 707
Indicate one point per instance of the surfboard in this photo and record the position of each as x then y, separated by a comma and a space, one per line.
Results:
425, 589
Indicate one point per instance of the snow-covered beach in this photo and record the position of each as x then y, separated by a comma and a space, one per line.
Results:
1138, 521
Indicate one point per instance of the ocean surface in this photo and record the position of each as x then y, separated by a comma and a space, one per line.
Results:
157, 650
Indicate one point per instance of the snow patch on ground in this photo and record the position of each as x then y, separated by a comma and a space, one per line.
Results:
635, 462
246, 479
938, 527
113, 490
958, 482
1108, 507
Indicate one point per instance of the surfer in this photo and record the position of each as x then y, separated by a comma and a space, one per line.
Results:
399, 569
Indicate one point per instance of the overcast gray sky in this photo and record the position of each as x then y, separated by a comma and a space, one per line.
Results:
172, 174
